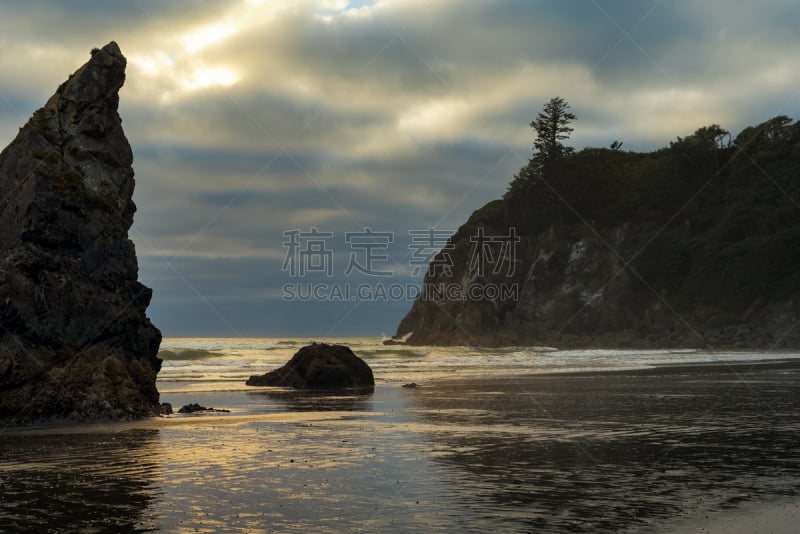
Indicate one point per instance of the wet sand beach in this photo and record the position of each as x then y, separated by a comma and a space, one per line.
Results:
672, 449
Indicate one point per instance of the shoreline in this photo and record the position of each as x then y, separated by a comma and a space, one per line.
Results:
656, 369
237, 417
671, 448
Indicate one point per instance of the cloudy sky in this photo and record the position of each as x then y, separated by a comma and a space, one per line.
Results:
253, 119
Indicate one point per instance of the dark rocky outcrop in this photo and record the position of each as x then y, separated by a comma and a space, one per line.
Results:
574, 289
319, 366
75, 342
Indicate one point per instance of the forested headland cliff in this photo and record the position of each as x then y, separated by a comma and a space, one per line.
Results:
696, 244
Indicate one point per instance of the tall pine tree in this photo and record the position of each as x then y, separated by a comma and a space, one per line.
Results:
552, 126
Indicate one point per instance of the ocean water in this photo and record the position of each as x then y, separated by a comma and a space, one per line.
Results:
207, 365
504, 440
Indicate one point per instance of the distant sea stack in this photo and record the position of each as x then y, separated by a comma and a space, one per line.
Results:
694, 245
75, 342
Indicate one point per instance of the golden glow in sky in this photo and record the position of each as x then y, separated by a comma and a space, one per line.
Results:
210, 77
207, 35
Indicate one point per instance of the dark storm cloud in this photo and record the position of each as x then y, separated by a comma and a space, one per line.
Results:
69, 22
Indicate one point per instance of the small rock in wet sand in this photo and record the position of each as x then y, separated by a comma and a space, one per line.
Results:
195, 408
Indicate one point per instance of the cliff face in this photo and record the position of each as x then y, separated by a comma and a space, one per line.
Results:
74, 338
679, 248
573, 288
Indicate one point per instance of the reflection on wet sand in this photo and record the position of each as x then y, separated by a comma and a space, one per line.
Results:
618, 451
98, 482
604, 452
319, 471
344, 400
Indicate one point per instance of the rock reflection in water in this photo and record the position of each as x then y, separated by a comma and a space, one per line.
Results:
322, 400
76, 482
612, 452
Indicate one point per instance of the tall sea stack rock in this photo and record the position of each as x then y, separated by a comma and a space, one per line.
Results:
75, 342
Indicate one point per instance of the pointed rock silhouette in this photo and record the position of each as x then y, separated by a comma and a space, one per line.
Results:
75, 342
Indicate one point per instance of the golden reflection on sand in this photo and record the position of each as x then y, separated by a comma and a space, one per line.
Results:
603, 452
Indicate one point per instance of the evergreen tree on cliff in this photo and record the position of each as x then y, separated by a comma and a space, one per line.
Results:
552, 126
540, 181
